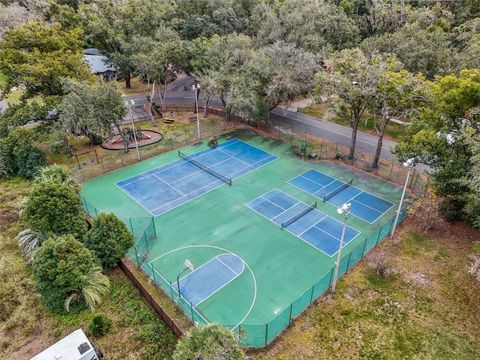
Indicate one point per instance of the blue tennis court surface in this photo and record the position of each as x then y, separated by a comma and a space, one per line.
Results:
315, 228
365, 206
166, 187
210, 277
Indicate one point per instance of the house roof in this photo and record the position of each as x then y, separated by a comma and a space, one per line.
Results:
98, 64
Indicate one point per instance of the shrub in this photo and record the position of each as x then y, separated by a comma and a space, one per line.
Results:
426, 212
109, 239
65, 272
29, 160
452, 208
208, 342
99, 325
55, 209
18, 156
58, 174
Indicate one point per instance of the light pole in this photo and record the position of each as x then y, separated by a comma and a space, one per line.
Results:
188, 266
130, 104
410, 164
196, 88
345, 211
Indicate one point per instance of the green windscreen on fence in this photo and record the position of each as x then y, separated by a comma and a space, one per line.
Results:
282, 275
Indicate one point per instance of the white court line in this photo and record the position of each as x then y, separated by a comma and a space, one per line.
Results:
228, 251
192, 198
361, 202
361, 190
179, 162
241, 271
235, 275
314, 225
170, 186
232, 141
316, 182
234, 157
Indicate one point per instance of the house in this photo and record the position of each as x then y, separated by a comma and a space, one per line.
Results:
99, 64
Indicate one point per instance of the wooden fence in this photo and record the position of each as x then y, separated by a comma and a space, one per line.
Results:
125, 265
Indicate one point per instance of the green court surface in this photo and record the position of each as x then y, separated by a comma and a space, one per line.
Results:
280, 275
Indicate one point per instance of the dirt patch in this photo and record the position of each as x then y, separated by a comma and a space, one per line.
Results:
30, 349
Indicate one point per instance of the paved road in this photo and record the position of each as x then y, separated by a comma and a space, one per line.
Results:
180, 92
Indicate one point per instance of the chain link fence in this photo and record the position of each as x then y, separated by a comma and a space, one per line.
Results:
308, 147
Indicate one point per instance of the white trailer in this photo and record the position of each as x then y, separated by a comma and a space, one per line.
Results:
75, 346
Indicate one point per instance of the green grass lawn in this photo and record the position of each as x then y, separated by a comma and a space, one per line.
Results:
411, 298
137, 332
393, 130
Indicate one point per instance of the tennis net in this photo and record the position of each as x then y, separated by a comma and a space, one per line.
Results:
225, 179
337, 190
299, 215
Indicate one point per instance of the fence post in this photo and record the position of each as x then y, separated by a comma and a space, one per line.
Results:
153, 273
378, 235
348, 263
131, 226
171, 290
154, 227
191, 310
266, 334
146, 242
290, 315
136, 255
311, 295
391, 170
364, 247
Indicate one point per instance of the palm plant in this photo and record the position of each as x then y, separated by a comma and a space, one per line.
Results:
95, 286
29, 242
56, 174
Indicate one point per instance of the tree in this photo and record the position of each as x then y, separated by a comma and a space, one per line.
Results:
315, 26
92, 109
420, 50
109, 240
205, 18
66, 272
438, 138
351, 82
383, 17
208, 342
37, 56
13, 15
221, 68
55, 209
111, 26
281, 72
400, 93
467, 43
158, 59
17, 115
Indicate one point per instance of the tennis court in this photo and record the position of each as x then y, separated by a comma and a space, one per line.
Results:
262, 250
304, 221
365, 205
210, 277
164, 188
